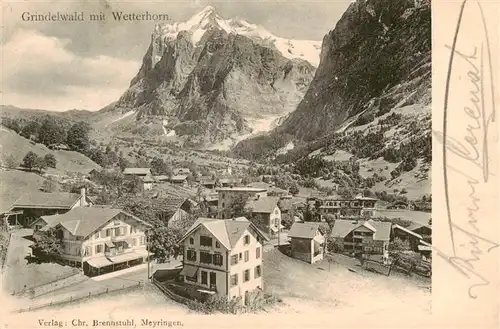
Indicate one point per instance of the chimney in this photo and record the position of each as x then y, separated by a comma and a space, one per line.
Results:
83, 194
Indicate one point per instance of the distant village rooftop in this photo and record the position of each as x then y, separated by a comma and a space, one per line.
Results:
137, 171
241, 189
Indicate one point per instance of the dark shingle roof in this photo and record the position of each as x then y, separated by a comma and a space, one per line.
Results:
58, 200
304, 230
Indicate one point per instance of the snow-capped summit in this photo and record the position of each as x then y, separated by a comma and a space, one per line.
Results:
208, 18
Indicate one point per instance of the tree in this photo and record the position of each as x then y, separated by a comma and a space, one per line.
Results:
40, 164
133, 185
238, 207
287, 221
50, 160
30, 129
51, 132
325, 229
159, 167
162, 238
30, 160
47, 245
294, 188
78, 136
49, 185
9, 161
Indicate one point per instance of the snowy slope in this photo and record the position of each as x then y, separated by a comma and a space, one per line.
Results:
197, 25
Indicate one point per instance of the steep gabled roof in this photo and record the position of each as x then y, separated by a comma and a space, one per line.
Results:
304, 230
85, 221
227, 231
265, 204
59, 200
382, 230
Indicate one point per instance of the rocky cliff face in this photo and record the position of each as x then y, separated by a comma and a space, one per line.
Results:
376, 46
205, 78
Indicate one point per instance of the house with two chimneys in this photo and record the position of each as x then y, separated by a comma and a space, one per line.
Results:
223, 257
98, 239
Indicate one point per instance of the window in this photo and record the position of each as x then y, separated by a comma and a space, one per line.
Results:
134, 242
247, 256
223, 205
88, 251
246, 239
143, 240
205, 241
234, 259
240, 256
131, 231
234, 280
98, 249
217, 244
257, 253
191, 240
108, 232
97, 235
204, 277
276, 211
117, 231
246, 275
257, 272
191, 255
205, 257
217, 259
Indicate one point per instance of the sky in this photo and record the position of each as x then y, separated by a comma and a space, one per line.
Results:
87, 65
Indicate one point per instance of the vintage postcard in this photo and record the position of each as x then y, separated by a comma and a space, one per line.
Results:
274, 164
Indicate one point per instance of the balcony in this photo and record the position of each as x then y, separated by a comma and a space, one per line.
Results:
115, 252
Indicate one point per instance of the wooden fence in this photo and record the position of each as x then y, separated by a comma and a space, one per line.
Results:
77, 298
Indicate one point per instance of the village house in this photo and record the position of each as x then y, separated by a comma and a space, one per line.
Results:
182, 171
223, 257
228, 194
162, 178
266, 214
139, 172
99, 239
36, 204
180, 180
147, 181
228, 181
343, 208
207, 182
418, 242
356, 236
307, 243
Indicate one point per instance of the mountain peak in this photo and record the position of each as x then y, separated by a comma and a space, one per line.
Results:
208, 18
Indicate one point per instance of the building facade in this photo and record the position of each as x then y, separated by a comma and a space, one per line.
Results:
306, 242
223, 257
99, 240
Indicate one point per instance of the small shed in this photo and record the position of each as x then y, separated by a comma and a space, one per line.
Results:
307, 243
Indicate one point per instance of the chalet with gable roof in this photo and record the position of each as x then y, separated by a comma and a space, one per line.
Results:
223, 257
99, 239
363, 236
